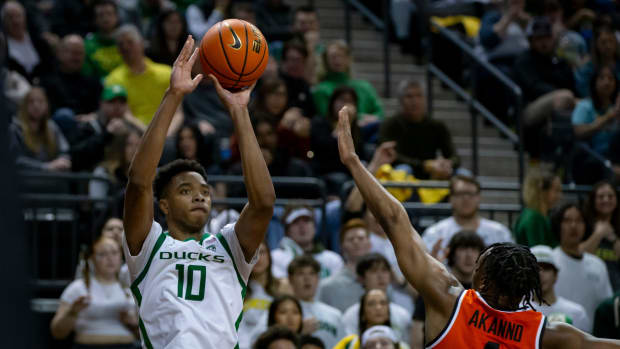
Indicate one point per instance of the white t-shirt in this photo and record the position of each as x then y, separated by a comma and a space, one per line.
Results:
400, 320
103, 315
584, 281
330, 261
255, 312
490, 232
123, 273
24, 52
331, 328
566, 311
190, 293
384, 247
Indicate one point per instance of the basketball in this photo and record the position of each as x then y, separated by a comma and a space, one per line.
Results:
235, 51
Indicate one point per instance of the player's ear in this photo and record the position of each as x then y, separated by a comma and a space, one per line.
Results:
163, 206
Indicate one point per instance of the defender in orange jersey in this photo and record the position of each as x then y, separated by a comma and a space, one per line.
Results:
496, 313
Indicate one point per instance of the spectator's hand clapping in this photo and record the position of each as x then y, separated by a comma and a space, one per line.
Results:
206, 127
439, 168
385, 154
79, 304
59, 164
116, 126
129, 318
310, 325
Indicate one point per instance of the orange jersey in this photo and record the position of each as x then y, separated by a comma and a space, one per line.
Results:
475, 324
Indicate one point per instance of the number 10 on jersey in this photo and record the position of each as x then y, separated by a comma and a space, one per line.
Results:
192, 270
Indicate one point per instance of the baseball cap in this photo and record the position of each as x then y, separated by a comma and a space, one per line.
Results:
539, 26
378, 332
300, 212
544, 254
113, 91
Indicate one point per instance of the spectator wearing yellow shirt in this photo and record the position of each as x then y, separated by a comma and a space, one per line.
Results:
144, 80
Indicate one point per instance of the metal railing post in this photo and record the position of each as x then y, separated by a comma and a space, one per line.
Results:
474, 139
519, 126
386, 48
347, 22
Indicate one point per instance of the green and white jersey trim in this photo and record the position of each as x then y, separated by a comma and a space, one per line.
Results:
189, 293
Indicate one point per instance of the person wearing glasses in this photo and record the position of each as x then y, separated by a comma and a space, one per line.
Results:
465, 202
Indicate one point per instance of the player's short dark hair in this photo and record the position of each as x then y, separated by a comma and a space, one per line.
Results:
464, 239
273, 334
369, 261
309, 339
466, 179
301, 262
511, 270
171, 169
273, 307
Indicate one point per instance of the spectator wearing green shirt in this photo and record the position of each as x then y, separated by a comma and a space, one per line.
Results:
541, 191
102, 54
337, 59
607, 318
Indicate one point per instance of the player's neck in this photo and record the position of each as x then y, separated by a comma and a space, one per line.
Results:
500, 302
471, 223
182, 233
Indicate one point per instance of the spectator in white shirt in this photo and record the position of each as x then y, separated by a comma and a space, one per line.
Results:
465, 201
342, 289
300, 231
320, 319
582, 277
97, 307
556, 308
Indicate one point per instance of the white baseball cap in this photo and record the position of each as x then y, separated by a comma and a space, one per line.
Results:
378, 332
544, 254
300, 212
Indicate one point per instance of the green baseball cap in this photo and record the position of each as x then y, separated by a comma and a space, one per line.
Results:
112, 92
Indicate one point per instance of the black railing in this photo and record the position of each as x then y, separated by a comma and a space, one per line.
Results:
379, 24
475, 107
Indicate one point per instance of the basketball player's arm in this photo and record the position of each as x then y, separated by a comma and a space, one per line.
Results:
564, 336
426, 274
255, 216
138, 209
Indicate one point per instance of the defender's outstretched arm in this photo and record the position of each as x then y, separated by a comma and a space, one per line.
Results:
563, 336
425, 273
138, 210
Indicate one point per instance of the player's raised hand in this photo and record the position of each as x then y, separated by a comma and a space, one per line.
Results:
346, 147
181, 78
232, 100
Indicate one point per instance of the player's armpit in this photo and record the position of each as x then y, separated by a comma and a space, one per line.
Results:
564, 336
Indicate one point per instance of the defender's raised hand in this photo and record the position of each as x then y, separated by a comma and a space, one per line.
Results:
237, 99
346, 147
181, 78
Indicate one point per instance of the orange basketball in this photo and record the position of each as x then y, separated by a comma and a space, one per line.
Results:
235, 51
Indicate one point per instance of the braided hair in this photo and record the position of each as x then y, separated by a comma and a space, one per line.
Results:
511, 270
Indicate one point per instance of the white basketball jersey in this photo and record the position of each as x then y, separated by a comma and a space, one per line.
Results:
190, 293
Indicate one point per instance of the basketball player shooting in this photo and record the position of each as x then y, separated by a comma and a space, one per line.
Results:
189, 284
492, 314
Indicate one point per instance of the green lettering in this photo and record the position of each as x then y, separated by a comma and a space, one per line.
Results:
190, 255
165, 255
203, 257
218, 259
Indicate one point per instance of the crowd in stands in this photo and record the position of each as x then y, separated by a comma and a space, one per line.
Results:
84, 78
